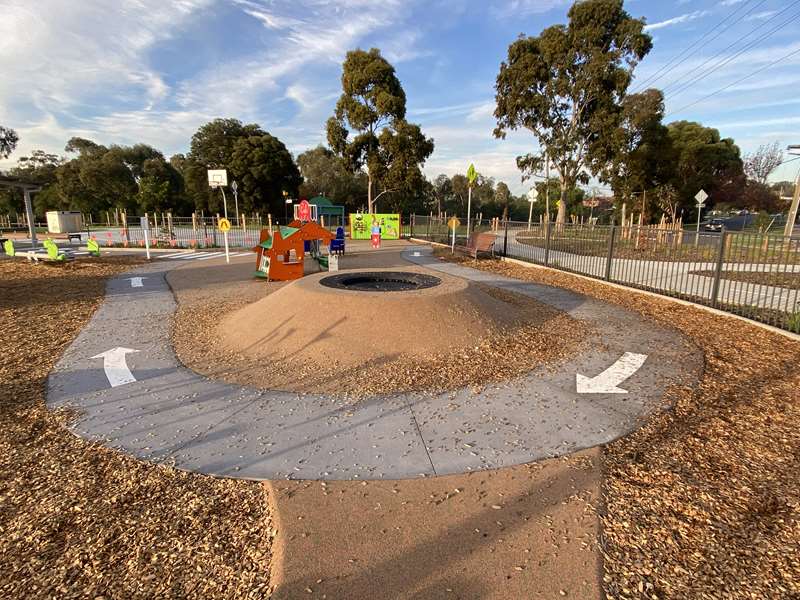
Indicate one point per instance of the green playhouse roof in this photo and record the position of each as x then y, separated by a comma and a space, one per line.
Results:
326, 207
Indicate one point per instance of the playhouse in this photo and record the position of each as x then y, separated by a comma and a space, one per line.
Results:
280, 256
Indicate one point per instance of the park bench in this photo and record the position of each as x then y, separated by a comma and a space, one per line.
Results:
479, 242
74, 237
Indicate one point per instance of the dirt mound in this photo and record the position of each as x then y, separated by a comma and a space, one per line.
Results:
309, 323
308, 337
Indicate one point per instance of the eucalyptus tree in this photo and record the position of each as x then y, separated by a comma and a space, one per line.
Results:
8, 141
566, 87
373, 105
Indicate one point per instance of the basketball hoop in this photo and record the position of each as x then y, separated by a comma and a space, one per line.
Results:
217, 178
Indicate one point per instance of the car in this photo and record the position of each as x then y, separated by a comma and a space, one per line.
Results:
714, 225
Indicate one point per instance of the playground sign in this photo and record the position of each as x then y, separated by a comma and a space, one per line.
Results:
361, 223
224, 225
453, 222
304, 210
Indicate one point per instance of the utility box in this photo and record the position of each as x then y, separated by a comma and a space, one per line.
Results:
64, 221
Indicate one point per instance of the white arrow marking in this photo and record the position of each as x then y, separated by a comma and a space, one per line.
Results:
116, 367
607, 381
136, 281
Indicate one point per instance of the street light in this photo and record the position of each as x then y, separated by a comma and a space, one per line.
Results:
286, 202
235, 188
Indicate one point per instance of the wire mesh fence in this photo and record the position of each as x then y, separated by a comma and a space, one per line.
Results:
751, 274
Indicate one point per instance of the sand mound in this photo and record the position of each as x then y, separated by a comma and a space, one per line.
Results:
306, 322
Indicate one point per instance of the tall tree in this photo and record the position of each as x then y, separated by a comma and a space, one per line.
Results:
643, 157
8, 141
264, 169
212, 147
325, 173
502, 196
373, 104
703, 160
760, 164
402, 150
566, 87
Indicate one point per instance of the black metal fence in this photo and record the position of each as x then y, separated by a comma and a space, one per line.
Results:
750, 274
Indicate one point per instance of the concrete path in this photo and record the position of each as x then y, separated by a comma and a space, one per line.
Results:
164, 412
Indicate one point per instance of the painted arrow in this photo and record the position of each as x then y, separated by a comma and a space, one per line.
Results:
116, 367
607, 381
136, 281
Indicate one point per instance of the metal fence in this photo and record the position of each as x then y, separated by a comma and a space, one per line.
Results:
749, 274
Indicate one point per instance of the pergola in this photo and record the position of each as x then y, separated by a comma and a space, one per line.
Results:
27, 188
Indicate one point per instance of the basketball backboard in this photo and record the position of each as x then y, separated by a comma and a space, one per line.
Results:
217, 178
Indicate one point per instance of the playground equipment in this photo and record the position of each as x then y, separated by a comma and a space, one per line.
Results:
280, 256
337, 244
53, 253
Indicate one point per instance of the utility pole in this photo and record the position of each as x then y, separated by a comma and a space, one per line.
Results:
792, 216
547, 186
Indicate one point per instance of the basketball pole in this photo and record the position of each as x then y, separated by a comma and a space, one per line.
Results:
225, 233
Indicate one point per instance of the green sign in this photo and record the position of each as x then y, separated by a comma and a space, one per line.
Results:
472, 174
363, 225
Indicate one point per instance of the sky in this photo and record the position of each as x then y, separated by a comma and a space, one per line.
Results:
153, 71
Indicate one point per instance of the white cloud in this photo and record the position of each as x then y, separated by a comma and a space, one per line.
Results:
522, 8
684, 18
761, 15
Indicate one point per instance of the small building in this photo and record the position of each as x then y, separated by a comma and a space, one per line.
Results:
64, 221
327, 212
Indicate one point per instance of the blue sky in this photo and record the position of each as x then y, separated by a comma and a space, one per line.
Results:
152, 70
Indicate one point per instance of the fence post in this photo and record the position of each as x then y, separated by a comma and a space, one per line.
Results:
610, 256
718, 271
547, 235
505, 239
214, 225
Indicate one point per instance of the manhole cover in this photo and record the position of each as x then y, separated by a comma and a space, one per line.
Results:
381, 281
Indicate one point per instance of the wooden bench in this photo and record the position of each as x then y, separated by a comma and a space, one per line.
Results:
479, 242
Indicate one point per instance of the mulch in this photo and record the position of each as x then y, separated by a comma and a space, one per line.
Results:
78, 520
704, 500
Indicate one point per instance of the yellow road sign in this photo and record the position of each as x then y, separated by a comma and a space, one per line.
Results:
453, 222
224, 225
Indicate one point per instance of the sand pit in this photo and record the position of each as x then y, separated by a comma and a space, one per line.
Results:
314, 335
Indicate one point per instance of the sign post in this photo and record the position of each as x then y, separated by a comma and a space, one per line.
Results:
225, 227
453, 223
145, 223
701, 198
472, 175
531, 198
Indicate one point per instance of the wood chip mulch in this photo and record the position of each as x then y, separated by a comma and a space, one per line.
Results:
78, 520
704, 500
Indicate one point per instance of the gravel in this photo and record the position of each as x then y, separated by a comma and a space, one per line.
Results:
79, 520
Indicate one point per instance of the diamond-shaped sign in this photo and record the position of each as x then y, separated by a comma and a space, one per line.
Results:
701, 196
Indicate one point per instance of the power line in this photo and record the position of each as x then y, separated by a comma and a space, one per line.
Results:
686, 85
702, 39
722, 89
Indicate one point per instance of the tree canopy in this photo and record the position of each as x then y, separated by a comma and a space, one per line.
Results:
373, 104
8, 141
264, 169
566, 86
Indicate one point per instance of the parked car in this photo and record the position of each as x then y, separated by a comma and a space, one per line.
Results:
714, 225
